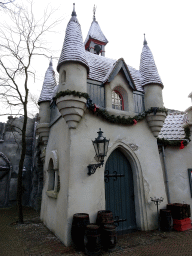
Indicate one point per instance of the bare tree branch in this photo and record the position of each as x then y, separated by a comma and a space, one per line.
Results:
21, 40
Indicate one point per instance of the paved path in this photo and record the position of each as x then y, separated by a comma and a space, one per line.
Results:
34, 239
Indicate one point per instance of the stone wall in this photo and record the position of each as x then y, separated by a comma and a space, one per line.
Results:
10, 149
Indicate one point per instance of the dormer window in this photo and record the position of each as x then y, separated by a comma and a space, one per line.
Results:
117, 100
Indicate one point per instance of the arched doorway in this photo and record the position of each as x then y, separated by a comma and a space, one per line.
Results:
119, 191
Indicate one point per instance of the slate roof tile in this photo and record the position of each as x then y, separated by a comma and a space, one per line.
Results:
73, 47
101, 67
96, 33
148, 68
48, 85
173, 126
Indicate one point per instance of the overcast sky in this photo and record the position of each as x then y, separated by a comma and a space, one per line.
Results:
166, 23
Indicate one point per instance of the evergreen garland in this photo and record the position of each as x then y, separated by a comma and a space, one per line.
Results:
177, 143
122, 119
74, 93
126, 120
187, 133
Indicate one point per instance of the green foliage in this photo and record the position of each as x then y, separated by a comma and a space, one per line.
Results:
177, 143
122, 119
74, 93
187, 133
126, 120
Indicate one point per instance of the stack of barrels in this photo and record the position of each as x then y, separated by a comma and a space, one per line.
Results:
90, 237
176, 216
107, 229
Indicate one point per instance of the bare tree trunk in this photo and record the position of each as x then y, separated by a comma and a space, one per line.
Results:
21, 165
21, 40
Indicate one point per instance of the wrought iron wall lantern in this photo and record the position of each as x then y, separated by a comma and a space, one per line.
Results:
101, 148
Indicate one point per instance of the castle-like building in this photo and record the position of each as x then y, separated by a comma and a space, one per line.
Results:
144, 151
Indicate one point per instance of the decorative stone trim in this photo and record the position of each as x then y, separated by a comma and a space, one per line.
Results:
155, 122
72, 109
52, 193
55, 158
43, 131
134, 147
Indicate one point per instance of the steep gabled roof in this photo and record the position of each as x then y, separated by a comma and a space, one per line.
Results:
136, 76
148, 69
48, 84
101, 68
120, 64
73, 47
96, 33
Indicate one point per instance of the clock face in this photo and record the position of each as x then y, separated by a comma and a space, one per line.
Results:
97, 48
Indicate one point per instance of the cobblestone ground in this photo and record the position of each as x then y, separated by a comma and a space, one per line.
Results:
34, 239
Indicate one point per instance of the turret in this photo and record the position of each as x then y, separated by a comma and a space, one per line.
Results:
95, 41
44, 103
153, 86
188, 121
151, 80
73, 69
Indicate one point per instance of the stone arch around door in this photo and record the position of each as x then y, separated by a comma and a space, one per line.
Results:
5, 176
138, 184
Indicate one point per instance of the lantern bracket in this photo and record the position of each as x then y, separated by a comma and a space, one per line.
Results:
101, 147
93, 167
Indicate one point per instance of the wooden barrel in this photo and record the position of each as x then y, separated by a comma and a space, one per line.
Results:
104, 217
109, 237
79, 223
166, 221
92, 240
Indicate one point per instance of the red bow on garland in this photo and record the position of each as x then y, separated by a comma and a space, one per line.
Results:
95, 108
182, 145
135, 122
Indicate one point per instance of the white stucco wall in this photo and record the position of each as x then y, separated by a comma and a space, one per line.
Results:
153, 96
44, 112
54, 211
76, 77
82, 193
120, 82
178, 161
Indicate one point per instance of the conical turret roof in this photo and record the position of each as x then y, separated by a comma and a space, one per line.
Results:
148, 69
96, 33
48, 84
73, 47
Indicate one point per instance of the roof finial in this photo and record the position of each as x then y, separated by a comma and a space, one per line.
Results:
50, 63
145, 41
94, 11
74, 13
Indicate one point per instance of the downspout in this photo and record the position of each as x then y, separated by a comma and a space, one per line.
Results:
166, 176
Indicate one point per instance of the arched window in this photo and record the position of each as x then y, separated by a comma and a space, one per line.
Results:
63, 77
54, 181
117, 100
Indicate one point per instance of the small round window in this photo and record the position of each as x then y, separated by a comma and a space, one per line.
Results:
117, 100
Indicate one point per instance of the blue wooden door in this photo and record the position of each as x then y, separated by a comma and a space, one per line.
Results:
119, 191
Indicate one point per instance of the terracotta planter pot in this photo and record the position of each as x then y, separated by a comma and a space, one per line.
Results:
72, 109
43, 131
155, 122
